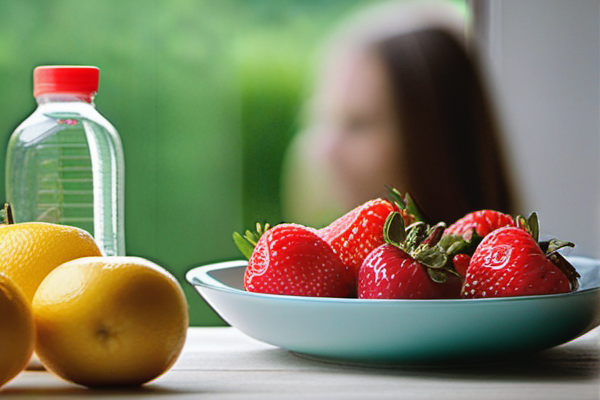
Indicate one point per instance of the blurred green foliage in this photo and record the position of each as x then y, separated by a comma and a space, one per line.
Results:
205, 95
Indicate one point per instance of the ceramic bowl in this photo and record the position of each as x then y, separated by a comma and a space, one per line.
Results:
403, 331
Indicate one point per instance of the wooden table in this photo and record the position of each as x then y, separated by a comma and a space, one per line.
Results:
223, 363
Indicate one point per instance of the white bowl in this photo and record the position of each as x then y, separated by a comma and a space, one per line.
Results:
403, 331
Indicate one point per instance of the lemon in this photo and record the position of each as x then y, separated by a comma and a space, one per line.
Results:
17, 331
30, 250
110, 321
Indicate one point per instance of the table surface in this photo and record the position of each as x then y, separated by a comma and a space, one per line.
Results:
223, 363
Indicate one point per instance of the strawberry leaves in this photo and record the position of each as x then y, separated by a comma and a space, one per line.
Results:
421, 242
531, 225
460, 244
406, 205
566, 268
394, 231
247, 243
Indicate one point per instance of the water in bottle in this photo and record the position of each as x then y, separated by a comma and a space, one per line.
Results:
65, 162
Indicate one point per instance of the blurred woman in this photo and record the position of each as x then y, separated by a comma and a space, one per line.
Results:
399, 102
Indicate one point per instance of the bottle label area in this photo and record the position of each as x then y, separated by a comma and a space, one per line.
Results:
65, 182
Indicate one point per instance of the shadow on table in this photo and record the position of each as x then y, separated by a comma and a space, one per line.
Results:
149, 390
561, 364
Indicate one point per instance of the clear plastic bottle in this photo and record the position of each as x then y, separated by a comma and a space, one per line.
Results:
64, 163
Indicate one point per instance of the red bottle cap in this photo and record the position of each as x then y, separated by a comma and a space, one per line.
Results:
82, 80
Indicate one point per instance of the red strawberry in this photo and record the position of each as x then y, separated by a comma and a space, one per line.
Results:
483, 222
461, 263
354, 235
462, 237
408, 266
292, 259
509, 262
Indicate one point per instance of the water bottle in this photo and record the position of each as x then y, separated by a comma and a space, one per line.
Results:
64, 163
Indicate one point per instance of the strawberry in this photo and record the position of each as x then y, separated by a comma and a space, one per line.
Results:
463, 236
510, 262
461, 263
409, 265
483, 222
354, 235
291, 259
357, 233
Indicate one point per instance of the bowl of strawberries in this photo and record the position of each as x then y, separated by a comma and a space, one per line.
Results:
381, 285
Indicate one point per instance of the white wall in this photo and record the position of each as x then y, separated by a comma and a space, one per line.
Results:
544, 62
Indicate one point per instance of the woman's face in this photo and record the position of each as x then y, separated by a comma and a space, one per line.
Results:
356, 130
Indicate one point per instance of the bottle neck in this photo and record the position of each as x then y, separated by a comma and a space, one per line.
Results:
65, 98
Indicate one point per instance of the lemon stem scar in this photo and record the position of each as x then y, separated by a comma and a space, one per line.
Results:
9, 218
103, 333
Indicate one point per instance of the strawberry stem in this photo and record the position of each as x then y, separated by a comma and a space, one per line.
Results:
415, 234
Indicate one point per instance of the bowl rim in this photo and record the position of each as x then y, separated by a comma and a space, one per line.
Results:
200, 276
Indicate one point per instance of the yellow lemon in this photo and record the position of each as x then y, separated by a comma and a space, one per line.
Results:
30, 250
17, 331
110, 321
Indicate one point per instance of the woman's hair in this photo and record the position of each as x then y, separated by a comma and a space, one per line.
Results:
450, 155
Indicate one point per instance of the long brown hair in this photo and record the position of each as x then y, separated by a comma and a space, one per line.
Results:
450, 155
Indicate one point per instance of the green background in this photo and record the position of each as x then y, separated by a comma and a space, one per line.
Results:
205, 95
